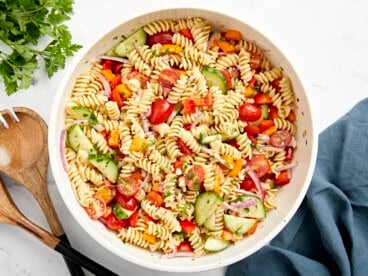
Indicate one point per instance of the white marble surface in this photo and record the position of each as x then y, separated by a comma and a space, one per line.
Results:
326, 40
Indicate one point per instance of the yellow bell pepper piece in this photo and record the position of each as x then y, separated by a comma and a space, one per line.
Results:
249, 92
171, 49
149, 238
216, 188
106, 194
138, 144
114, 138
229, 161
238, 164
124, 90
108, 74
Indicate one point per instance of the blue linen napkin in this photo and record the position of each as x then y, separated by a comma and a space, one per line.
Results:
329, 233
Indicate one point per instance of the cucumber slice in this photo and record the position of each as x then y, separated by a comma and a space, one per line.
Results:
138, 38
256, 211
208, 139
215, 78
120, 212
213, 244
238, 225
83, 113
265, 111
106, 165
78, 141
205, 205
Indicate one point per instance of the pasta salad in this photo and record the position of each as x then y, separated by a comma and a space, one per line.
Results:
179, 137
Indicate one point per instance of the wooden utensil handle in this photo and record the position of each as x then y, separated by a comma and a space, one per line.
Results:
77, 257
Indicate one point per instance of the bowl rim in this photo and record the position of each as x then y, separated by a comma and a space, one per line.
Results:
53, 145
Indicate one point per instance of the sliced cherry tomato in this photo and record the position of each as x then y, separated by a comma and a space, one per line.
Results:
187, 226
133, 219
273, 113
160, 111
280, 138
184, 246
129, 203
265, 124
187, 126
117, 68
115, 224
251, 130
282, 179
255, 60
227, 78
155, 198
249, 112
206, 100
128, 187
187, 33
195, 177
116, 81
107, 64
137, 175
116, 97
262, 99
259, 164
253, 139
189, 106
143, 79
161, 37
183, 147
248, 184
168, 78
147, 218
276, 84
289, 154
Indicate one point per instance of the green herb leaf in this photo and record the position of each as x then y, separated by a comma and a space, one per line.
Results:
22, 26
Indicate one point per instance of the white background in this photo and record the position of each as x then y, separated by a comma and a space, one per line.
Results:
327, 41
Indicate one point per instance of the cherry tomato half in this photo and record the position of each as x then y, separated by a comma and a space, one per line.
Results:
161, 37
115, 224
143, 79
249, 112
128, 187
184, 246
282, 178
160, 111
227, 78
129, 203
187, 33
194, 177
187, 226
259, 164
168, 78
97, 208
248, 184
155, 198
255, 61
133, 219
280, 138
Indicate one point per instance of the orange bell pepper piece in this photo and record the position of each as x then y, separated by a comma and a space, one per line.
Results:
106, 194
149, 238
171, 49
233, 35
238, 164
114, 138
108, 74
226, 46
124, 90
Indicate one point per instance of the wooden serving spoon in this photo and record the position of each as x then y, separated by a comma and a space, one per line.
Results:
10, 214
24, 158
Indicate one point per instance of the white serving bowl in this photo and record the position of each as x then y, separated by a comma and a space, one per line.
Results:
289, 197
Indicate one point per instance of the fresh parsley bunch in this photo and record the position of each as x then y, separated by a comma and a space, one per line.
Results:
24, 25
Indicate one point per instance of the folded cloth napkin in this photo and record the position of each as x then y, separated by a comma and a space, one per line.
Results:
329, 233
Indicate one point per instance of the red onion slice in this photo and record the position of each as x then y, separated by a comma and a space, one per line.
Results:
210, 41
99, 127
270, 148
289, 166
118, 59
105, 84
257, 182
230, 207
62, 149
245, 204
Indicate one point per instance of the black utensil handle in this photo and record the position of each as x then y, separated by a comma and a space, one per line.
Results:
74, 268
76, 257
